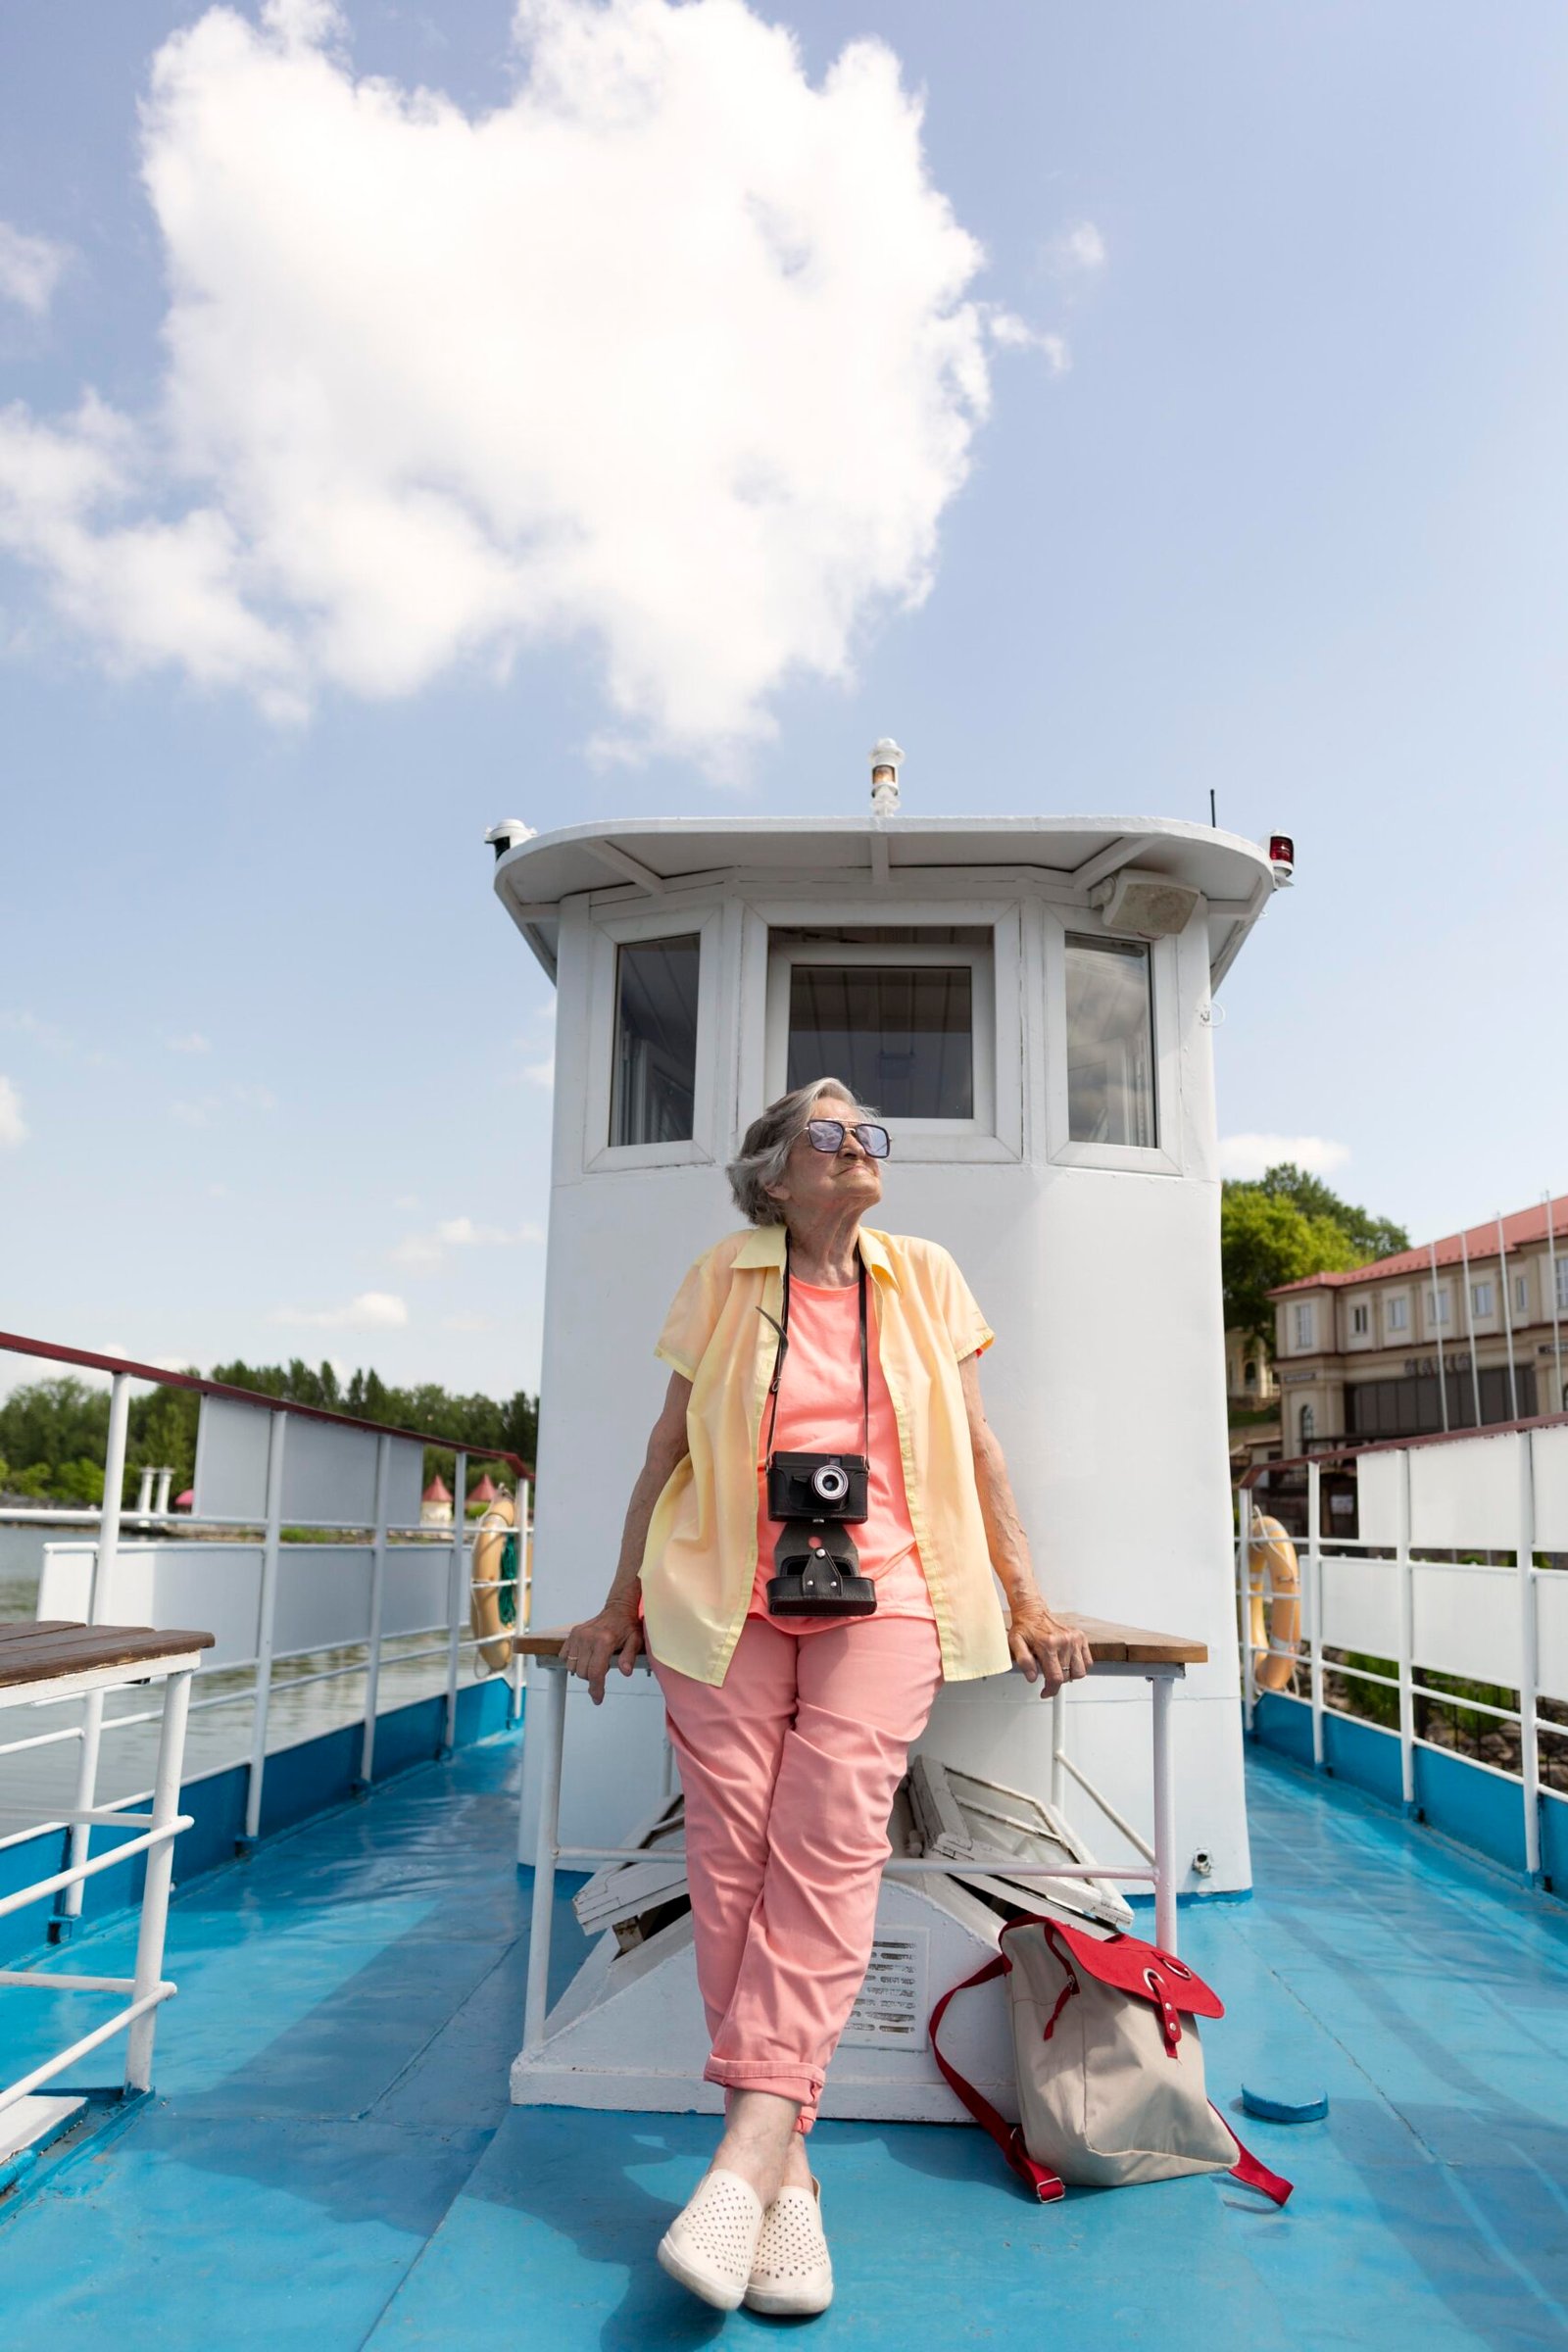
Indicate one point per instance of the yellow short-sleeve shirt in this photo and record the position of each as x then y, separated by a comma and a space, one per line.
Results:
699, 1559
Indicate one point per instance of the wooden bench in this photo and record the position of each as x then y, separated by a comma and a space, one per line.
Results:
1122, 1651
55, 1658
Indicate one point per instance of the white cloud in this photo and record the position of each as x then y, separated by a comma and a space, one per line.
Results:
1077, 252
671, 350
371, 1310
254, 1098
189, 1114
13, 1126
29, 268
541, 1073
427, 1250
1249, 1155
194, 1043
1013, 333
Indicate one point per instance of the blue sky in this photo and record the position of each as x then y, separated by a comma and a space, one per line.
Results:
1198, 426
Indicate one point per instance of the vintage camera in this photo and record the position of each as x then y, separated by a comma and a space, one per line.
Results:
817, 1485
817, 1572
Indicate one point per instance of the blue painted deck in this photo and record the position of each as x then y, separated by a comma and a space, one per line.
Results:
329, 2160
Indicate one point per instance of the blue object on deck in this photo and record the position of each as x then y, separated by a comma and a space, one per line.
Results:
328, 2161
1302, 2107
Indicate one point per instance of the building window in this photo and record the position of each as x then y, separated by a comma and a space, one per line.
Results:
1521, 1294
653, 1082
1436, 1305
1360, 1320
1111, 1042
1309, 1426
1398, 1314
1562, 1282
1480, 1298
1249, 1375
1306, 1323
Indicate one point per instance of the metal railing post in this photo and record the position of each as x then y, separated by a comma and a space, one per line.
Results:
158, 1882
550, 1702
1404, 1569
1528, 1656
372, 1667
266, 1618
1058, 1749
63, 1926
1314, 1578
524, 1599
456, 1610
1243, 1601
1162, 1686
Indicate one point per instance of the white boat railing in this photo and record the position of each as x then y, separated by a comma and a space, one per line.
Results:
1445, 1577
121, 1575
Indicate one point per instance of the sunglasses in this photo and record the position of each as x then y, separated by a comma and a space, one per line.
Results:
828, 1135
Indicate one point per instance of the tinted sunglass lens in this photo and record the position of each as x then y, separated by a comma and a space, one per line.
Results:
826, 1134
876, 1139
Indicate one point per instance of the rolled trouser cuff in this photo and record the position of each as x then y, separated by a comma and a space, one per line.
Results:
802, 2083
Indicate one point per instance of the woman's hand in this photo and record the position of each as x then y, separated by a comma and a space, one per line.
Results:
614, 1635
1049, 1651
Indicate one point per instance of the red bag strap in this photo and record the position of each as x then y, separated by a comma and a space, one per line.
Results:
1007, 2137
1252, 2174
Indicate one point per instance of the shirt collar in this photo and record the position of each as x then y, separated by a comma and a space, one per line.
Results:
764, 1246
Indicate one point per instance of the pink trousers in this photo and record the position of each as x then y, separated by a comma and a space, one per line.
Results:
789, 1770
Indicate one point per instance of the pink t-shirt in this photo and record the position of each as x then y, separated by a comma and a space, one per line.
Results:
819, 1412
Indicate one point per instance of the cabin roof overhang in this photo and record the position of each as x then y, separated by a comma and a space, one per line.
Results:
643, 860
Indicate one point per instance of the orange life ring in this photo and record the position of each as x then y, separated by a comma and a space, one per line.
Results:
1274, 1613
493, 1585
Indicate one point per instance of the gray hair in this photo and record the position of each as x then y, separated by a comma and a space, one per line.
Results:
769, 1142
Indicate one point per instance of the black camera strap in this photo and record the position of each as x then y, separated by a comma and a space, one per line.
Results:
783, 1330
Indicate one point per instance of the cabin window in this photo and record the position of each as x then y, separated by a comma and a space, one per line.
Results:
1480, 1298
900, 1013
903, 1036
1398, 1314
654, 1078
1111, 1042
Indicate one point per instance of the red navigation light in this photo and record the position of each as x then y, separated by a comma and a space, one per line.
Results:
1280, 850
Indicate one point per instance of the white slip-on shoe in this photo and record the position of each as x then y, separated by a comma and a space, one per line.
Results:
792, 2273
712, 2243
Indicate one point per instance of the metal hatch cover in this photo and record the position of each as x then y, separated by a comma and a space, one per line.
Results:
963, 1816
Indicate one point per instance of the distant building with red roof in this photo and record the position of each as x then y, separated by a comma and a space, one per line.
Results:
435, 1503
1464, 1332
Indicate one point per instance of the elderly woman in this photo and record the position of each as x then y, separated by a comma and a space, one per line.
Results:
799, 1654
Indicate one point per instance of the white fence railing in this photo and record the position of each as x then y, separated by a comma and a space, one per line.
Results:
1397, 1591
272, 1604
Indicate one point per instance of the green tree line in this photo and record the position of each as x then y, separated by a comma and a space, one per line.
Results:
1281, 1226
53, 1431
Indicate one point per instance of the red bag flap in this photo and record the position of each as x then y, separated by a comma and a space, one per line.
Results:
1128, 1964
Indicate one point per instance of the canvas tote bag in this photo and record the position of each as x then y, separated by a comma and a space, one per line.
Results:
1110, 2068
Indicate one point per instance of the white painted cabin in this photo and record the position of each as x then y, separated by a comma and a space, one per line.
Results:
1046, 1072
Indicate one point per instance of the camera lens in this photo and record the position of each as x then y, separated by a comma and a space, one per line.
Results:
829, 1483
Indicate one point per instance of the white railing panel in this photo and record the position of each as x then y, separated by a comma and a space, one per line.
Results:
1552, 1605
1465, 1496
1378, 1479
215, 1586
323, 1595
418, 1577
1467, 1622
1549, 1447
1361, 1605
329, 1476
